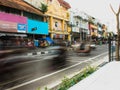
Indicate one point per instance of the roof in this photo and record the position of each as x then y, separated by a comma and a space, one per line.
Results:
20, 5
64, 4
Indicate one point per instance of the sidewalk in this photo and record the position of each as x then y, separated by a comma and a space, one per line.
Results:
105, 78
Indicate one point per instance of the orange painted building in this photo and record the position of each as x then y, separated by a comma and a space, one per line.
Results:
93, 30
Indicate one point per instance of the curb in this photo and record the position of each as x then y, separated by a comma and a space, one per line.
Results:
43, 52
38, 53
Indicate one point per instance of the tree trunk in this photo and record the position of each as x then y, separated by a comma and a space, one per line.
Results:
118, 37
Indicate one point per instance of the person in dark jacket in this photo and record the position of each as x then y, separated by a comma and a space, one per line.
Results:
82, 46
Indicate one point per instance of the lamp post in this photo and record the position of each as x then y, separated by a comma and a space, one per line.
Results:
80, 31
71, 33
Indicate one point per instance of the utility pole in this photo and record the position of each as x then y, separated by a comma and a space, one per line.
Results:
118, 32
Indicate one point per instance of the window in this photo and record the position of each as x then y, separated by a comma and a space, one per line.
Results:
33, 16
56, 24
77, 23
10, 10
65, 27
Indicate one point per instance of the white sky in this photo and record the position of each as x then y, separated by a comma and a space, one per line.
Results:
99, 9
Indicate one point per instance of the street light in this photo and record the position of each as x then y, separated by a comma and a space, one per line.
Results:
80, 30
71, 33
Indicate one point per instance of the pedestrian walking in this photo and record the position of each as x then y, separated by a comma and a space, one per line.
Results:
113, 45
82, 46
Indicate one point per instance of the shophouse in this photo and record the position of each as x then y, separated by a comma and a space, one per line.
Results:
79, 25
99, 25
104, 30
93, 28
105, 33
19, 19
98, 31
85, 27
57, 16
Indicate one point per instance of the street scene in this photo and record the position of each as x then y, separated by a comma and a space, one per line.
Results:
22, 68
45, 42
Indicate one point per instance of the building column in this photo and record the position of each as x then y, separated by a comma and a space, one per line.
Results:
51, 27
51, 23
63, 29
69, 37
63, 23
51, 35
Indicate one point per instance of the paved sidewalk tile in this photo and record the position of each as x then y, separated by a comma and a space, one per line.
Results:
105, 78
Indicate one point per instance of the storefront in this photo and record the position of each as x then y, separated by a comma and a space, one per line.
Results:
12, 29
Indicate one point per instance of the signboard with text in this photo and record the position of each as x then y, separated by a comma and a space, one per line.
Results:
8, 26
37, 27
22, 28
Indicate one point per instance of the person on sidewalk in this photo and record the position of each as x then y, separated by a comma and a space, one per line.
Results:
113, 45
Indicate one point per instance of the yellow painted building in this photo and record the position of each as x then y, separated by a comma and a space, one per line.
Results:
57, 17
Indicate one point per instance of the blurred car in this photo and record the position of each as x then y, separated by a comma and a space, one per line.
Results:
59, 51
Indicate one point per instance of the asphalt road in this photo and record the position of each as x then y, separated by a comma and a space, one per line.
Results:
30, 72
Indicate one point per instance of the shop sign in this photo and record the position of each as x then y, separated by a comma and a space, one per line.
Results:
84, 25
93, 26
75, 29
59, 36
12, 18
37, 27
8, 26
22, 28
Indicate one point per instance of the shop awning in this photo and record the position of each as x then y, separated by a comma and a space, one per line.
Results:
93, 26
13, 34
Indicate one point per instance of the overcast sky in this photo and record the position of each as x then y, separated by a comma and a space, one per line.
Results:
99, 9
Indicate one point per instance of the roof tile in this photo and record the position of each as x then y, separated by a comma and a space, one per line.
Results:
64, 4
21, 5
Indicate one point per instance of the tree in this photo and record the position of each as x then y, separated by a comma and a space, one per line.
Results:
117, 26
44, 8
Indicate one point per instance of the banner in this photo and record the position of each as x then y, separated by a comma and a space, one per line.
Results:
8, 26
